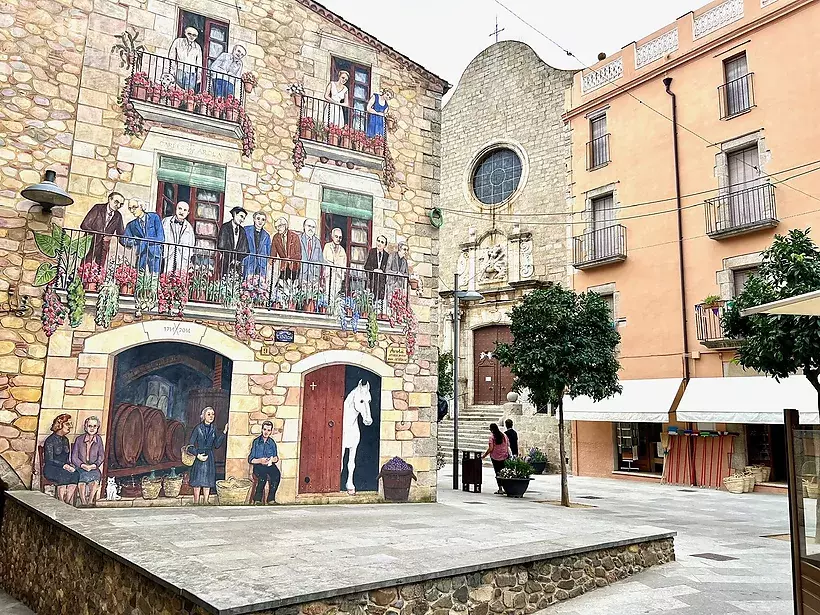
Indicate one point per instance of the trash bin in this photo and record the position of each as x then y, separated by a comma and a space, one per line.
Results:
471, 471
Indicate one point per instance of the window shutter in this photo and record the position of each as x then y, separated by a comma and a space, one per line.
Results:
194, 174
348, 204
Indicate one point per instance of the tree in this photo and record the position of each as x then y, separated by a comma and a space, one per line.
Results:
563, 344
779, 345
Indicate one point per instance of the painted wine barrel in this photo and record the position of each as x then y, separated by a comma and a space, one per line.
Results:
128, 427
174, 440
153, 435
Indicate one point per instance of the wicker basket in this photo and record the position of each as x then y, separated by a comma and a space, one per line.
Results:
172, 486
151, 488
733, 484
748, 483
188, 458
233, 491
761, 473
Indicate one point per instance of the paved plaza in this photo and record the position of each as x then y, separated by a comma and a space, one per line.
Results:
725, 565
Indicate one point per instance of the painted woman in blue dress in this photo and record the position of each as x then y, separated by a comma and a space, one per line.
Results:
204, 440
376, 110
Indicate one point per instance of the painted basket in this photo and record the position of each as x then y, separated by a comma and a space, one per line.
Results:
188, 457
232, 491
151, 488
172, 486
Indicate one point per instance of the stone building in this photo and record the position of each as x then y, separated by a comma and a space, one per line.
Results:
505, 150
236, 170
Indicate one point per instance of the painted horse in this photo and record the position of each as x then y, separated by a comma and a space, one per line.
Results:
357, 403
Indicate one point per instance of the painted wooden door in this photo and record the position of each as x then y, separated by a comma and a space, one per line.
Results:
492, 380
320, 457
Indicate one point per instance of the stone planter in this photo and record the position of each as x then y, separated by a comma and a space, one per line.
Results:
514, 487
538, 467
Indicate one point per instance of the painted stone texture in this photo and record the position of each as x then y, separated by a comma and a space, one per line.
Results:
53, 556
64, 108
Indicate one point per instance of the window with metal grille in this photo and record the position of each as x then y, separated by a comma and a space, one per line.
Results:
598, 149
497, 176
212, 35
737, 89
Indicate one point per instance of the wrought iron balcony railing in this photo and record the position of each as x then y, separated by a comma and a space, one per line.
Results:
343, 127
741, 211
161, 276
709, 324
736, 96
597, 152
599, 247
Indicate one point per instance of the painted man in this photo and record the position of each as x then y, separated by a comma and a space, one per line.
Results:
233, 241
398, 269
145, 234
311, 252
186, 59
227, 71
286, 245
259, 245
180, 239
377, 264
103, 219
263, 458
334, 254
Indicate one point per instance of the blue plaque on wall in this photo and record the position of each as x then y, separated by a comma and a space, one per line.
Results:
283, 335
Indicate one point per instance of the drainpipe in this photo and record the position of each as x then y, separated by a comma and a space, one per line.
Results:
667, 82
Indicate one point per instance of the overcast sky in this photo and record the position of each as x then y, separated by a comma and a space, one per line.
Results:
444, 35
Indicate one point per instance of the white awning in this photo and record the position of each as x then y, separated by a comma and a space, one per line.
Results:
642, 401
756, 399
807, 304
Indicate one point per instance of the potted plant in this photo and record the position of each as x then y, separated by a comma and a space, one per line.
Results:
126, 277
346, 137
514, 477
360, 141
155, 93
334, 134
175, 96
91, 274
714, 302
377, 144
76, 302
108, 303
396, 476
296, 91
217, 107
205, 103
199, 282
537, 459
248, 82
172, 293
231, 109
188, 101
307, 127
139, 86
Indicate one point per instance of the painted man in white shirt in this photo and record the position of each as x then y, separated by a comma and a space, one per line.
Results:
334, 254
186, 59
179, 238
230, 67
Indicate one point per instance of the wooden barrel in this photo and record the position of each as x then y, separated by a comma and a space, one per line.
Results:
128, 427
153, 435
174, 440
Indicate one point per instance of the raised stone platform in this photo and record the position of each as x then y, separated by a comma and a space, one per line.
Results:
403, 558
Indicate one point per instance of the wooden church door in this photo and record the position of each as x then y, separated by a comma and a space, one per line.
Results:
320, 457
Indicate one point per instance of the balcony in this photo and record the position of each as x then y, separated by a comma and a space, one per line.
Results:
186, 95
599, 247
598, 152
165, 278
709, 324
736, 96
741, 211
334, 132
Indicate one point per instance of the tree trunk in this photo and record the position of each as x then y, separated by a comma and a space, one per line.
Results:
563, 452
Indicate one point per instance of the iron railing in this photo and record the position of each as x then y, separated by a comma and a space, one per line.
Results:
186, 87
597, 152
741, 211
709, 325
736, 96
604, 245
160, 275
340, 126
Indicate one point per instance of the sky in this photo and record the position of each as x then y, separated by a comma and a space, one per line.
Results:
444, 35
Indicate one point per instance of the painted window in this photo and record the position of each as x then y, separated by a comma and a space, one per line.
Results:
738, 97
212, 37
497, 176
358, 87
353, 213
199, 184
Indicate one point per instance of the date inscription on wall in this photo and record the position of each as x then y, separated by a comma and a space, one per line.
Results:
177, 329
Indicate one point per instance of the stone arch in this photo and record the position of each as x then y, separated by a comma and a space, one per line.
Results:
347, 357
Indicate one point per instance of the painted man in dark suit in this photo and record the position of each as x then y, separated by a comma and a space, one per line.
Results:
377, 264
145, 234
256, 264
106, 219
311, 253
233, 241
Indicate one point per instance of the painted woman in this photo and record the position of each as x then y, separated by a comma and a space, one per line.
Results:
336, 94
204, 440
57, 459
376, 110
87, 456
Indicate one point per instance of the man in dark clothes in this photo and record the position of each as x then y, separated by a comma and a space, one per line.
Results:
103, 218
233, 241
512, 436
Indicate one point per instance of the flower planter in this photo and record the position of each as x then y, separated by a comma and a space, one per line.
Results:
346, 142
91, 287
140, 92
311, 306
188, 106
155, 98
396, 484
414, 284
333, 140
297, 100
248, 86
514, 487
538, 466
126, 289
307, 133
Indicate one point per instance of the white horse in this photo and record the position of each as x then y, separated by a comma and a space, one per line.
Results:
357, 402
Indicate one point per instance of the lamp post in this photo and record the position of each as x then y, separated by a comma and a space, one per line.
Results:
463, 295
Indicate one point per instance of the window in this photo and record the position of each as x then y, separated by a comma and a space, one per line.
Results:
609, 299
639, 447
737, 89
598, 148
496, 176
353, 213
212, 35
740, 277
745, 201
199, 184
358, 88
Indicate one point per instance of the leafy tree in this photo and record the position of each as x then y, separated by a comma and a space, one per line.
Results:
445, 374
563, 344
779, 345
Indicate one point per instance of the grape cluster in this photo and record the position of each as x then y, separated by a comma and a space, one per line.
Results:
397, 464
54, 312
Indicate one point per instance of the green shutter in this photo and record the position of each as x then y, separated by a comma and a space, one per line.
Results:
194, 174
347, 204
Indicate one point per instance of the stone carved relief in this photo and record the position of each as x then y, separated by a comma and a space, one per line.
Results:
461, 268
493, 264
526, 268
656, 48
718, 17
603, 76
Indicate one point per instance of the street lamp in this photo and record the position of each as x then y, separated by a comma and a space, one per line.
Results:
458, 295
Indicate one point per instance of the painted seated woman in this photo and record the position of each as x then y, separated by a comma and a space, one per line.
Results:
87, 455
56, 459
204, 440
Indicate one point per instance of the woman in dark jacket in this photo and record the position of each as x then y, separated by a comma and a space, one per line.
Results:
56, 459
204, 440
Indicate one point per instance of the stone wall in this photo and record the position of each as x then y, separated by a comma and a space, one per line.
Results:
540, 430
56, 568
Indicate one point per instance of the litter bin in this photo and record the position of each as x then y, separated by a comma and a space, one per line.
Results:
471, 471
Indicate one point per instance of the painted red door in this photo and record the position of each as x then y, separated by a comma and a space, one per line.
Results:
320, 457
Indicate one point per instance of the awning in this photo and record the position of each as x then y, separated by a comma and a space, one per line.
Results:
756, 399
642, 401
807, 304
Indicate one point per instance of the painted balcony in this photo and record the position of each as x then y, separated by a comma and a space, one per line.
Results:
165, 278
186, 95
741, 211
599, 247
709, 325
